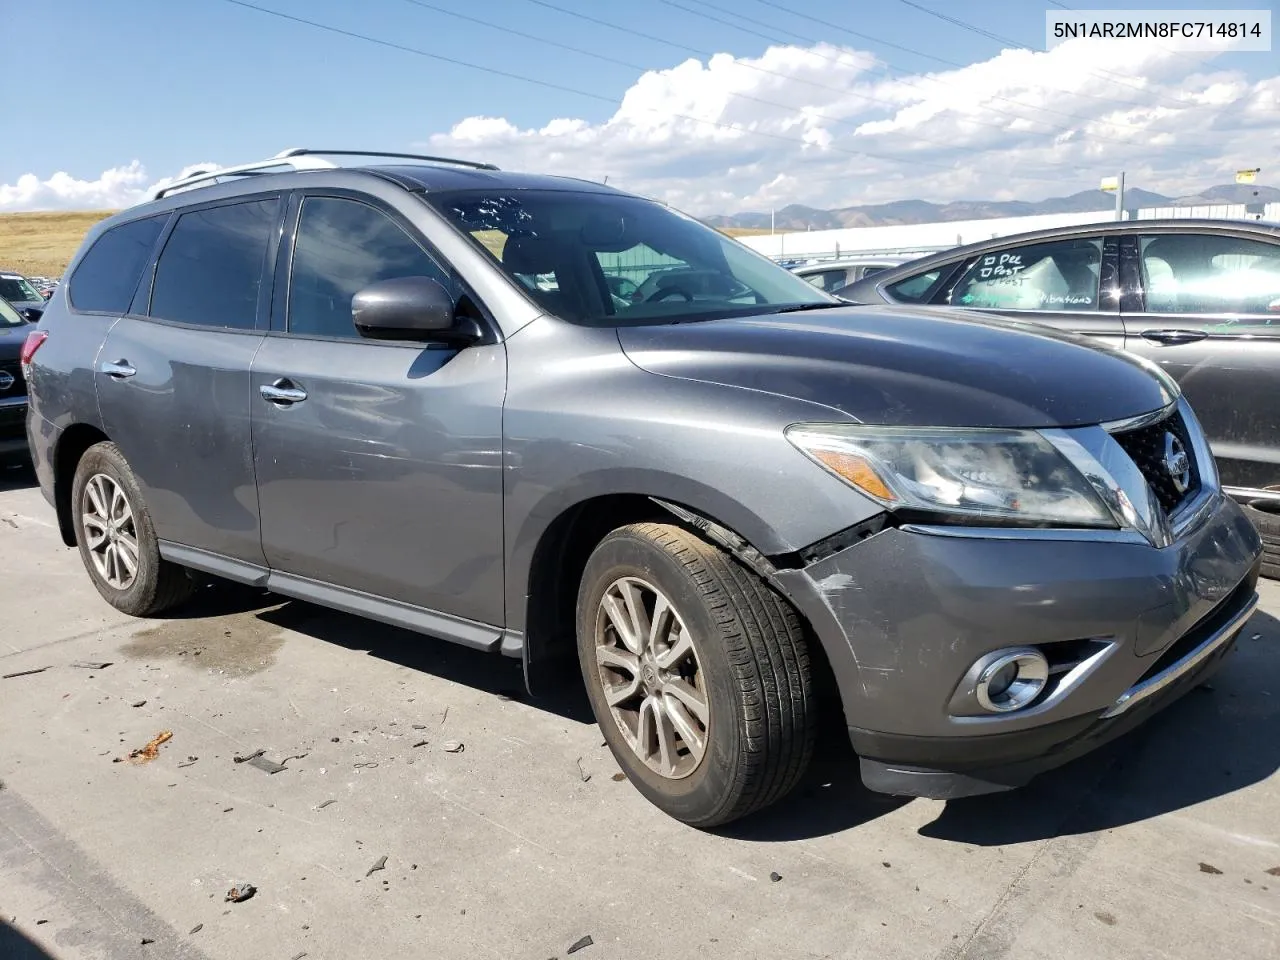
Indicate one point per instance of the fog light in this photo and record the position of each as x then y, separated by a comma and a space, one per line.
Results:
1012, 680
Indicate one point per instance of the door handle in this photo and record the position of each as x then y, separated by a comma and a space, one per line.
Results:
118, 369
1173, 337
282, 393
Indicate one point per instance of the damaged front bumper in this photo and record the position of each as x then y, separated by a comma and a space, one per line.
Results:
905, 614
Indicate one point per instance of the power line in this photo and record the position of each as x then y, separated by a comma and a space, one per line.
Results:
855, 33
736, 95
582, 93
844, 91
961, 66
983, 32
896, 106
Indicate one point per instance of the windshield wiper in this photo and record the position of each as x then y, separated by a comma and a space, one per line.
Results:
797, 307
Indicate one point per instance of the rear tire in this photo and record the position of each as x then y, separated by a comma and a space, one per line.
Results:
1265, 515
117, 542
723, 679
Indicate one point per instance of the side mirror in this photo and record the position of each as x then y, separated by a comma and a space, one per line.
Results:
408, 308
33, 314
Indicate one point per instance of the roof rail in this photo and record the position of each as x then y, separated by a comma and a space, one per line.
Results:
299, 158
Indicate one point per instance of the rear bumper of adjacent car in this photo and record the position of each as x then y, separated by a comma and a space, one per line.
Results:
905, 614
13, 434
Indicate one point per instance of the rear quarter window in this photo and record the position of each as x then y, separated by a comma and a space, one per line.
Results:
106, 277
920, 288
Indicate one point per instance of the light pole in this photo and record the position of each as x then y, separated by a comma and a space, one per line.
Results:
1116, 185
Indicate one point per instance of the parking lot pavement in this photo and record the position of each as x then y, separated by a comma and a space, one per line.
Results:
1166, 844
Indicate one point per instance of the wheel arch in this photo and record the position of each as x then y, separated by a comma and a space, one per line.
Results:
71, 447
548, 584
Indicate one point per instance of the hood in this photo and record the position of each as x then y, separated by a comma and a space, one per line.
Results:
909, 366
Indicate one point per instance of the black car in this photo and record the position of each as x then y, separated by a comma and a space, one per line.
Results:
13, 387
1200, 298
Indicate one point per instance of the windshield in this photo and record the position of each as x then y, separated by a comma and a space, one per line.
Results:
10, 317
16, 289
611, 260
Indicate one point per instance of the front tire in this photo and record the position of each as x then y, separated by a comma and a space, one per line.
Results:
698, 674
117, 542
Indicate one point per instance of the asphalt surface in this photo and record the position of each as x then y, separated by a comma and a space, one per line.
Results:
1164, 844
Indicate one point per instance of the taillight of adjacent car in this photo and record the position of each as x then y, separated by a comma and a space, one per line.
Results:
29, 347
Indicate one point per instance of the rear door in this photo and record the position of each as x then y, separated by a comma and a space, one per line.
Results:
1070, 283
379, 463
173, 375
1205, 306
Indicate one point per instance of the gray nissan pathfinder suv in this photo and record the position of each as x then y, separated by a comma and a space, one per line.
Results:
421, 392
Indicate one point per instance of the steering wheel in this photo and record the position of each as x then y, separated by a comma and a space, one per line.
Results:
666, 292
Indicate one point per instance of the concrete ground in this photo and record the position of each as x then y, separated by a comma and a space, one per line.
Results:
1165, 844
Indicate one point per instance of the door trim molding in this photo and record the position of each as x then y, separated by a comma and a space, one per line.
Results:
467, 633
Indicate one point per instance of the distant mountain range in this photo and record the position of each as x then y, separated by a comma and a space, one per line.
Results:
799, 217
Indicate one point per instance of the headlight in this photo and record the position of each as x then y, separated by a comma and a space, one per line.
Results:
998, 475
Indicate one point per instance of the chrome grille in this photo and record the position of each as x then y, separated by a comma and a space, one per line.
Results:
1148, 446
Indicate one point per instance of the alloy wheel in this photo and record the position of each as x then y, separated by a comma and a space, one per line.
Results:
109, 530
652, 678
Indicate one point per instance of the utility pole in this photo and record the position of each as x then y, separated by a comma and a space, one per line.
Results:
771, 221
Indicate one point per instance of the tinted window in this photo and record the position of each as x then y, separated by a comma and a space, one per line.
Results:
212, 266
10, 317
917, 289
829, 280
109, 273
573, 251
1206, 273
1062, 275
342, 247
17, 289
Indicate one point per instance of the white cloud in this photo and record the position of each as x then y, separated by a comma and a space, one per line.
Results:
1023, 125
826, 126
117, 187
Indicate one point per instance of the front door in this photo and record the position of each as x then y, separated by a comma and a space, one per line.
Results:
1206, 307
1069, 284
379, 464
173, 376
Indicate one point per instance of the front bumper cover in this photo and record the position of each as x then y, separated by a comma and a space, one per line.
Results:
903, 614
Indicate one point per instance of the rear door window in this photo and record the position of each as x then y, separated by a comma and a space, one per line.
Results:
1061, 275
212, 267
106, 277
919, 288
829, 280
1212, 274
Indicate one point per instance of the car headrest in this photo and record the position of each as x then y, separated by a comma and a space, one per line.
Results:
529, 254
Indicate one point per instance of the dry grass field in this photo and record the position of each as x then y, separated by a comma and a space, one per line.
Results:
40, 244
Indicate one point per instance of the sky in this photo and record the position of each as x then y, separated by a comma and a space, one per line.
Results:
715, 106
